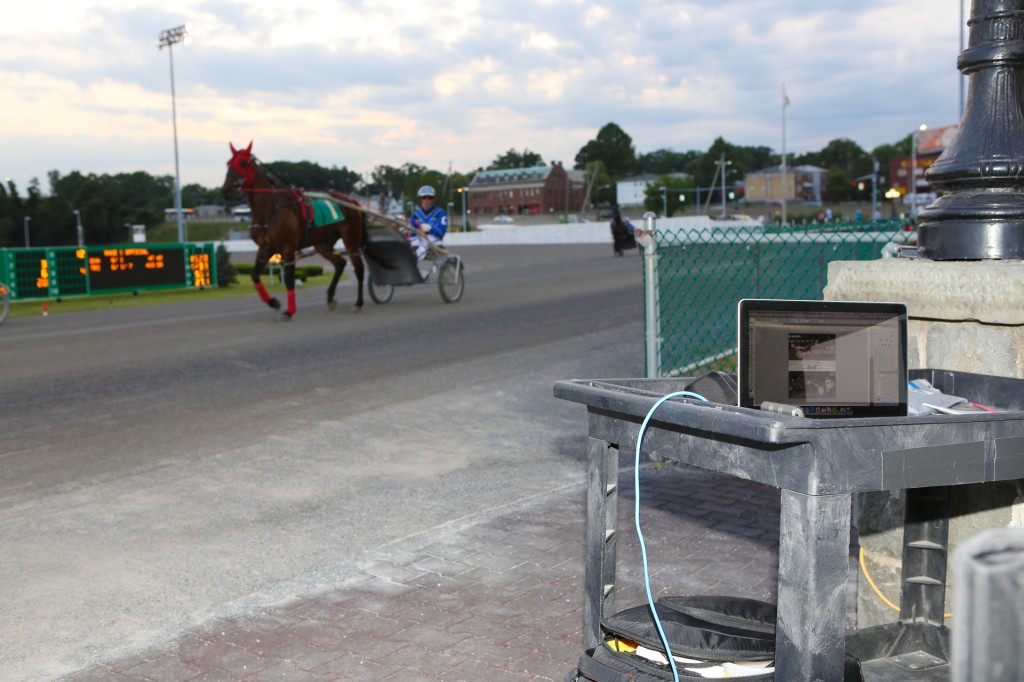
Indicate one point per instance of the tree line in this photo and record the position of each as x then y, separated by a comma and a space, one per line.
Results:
108, 205
611, 156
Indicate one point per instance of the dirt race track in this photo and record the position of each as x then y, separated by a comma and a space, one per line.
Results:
163, 466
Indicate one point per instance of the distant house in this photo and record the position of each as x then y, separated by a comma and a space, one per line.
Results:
171, 214
631, 191
389, 206
210, 212
802, 183
526, 191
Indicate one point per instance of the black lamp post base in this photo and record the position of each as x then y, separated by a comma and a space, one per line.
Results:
981, 225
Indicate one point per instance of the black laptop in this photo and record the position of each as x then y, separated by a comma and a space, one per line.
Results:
827, 358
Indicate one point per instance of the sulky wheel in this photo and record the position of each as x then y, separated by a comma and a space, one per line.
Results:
379, 293
5, 303
451, 281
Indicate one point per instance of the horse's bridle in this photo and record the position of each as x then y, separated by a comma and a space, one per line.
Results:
243, 163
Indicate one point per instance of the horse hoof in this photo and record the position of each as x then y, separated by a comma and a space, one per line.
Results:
357, 308
274, 303
331, 305
286, 317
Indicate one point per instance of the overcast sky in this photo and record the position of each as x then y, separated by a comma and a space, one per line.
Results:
358, 83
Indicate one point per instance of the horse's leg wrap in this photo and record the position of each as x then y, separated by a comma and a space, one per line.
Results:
290, 310
262, 291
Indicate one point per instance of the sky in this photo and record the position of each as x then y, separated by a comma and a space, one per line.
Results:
361, 83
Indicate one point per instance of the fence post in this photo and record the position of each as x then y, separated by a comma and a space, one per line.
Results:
648, 239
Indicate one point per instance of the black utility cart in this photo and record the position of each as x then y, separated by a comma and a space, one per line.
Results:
817, 465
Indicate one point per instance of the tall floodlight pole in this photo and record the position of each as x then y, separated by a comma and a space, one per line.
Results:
167, 39
78, 227
28, 218
785, 184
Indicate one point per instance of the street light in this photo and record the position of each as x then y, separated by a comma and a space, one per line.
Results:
664, 199
167, 39
723, 164
28, 219
78, 227
892, 194
874, 188
462, 191
913, 170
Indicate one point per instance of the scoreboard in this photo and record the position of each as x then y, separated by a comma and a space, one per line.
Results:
134, 267
71, 271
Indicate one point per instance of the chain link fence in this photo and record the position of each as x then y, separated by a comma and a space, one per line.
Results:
700, 274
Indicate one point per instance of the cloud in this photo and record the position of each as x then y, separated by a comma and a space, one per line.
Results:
359, 83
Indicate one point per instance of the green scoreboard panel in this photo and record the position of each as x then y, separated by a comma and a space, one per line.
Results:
70, 271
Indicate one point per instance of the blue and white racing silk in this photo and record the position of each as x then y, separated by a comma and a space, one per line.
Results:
434, 222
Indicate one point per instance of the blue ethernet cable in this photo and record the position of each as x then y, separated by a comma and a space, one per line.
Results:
636, 517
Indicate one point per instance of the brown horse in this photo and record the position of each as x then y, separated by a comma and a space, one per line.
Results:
282, 224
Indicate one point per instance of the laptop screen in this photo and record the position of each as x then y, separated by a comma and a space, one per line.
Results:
830, 358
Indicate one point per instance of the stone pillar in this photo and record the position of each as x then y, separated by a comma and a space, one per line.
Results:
964, 317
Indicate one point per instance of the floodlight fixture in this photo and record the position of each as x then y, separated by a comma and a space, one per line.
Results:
172, 36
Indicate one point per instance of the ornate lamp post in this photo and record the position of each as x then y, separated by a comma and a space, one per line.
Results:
981, 214
167, 39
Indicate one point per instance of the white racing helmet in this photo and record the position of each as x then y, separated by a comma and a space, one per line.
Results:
426, 191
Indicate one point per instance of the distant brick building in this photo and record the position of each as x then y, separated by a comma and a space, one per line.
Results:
802, 183
526, 191
899, 172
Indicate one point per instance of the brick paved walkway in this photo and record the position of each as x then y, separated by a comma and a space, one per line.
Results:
495, 599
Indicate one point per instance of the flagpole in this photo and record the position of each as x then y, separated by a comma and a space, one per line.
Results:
785, 184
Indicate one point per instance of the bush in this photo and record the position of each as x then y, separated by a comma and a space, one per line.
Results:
302, 272
310, 270
226, 272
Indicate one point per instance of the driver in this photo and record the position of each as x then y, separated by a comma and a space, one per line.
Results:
430, 219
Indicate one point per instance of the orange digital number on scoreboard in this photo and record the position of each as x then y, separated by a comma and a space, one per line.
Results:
43, 280
200, 264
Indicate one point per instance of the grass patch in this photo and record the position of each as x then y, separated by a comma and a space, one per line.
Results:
146, 298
